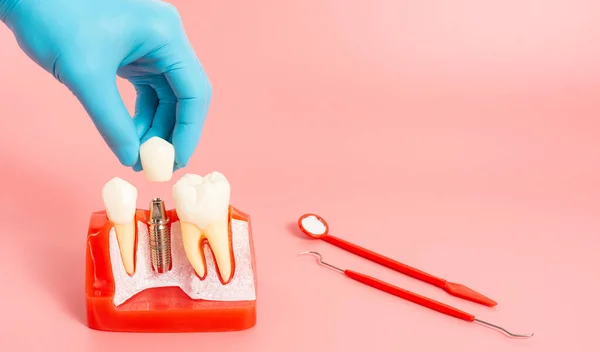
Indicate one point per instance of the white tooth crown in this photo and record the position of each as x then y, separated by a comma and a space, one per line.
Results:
202, 205
157, 157
202, 200
120, 198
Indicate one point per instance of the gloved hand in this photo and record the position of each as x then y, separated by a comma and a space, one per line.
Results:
85, 44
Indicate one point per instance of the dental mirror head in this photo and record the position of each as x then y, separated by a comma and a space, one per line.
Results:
313, 225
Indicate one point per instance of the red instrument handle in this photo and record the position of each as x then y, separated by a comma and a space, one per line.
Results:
385, 261
410, 296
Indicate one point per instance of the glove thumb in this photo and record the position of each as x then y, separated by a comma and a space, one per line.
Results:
99, 95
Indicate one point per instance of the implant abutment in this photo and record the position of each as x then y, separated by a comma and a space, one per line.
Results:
159, 234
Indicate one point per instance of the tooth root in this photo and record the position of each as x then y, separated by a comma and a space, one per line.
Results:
191, 235
126, 238
217, 235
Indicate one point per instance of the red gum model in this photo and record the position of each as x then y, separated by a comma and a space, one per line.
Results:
162, 309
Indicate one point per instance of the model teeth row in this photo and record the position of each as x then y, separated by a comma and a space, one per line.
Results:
201, 202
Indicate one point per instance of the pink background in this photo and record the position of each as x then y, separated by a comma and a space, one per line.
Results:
458, 138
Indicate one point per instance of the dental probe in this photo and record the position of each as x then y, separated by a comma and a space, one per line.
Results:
159, 233
410, 296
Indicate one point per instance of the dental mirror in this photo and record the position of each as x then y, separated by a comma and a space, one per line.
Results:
313, 226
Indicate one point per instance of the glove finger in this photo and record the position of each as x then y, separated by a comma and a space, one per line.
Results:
100, 98
145, 108
164, 118
194, 92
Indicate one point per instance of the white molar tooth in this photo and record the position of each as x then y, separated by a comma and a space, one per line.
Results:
157, 157
120, 198
202, 205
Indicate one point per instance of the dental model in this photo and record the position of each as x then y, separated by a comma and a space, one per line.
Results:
157, 157
207, 282
202, 205
120, 198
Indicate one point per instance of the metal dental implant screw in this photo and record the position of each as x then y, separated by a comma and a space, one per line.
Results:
159, 232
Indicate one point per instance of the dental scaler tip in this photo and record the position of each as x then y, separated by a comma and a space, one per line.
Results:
159, 231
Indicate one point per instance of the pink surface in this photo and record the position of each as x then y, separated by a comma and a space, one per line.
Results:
459, 138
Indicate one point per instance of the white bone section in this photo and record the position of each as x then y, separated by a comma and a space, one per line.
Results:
240, 288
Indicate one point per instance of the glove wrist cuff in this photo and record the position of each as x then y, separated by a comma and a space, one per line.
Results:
6, 6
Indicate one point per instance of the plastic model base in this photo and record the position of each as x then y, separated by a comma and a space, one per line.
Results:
160, 309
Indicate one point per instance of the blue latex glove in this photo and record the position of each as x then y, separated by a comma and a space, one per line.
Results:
85, 44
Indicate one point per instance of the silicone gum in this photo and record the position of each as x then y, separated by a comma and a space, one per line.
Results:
162, 309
